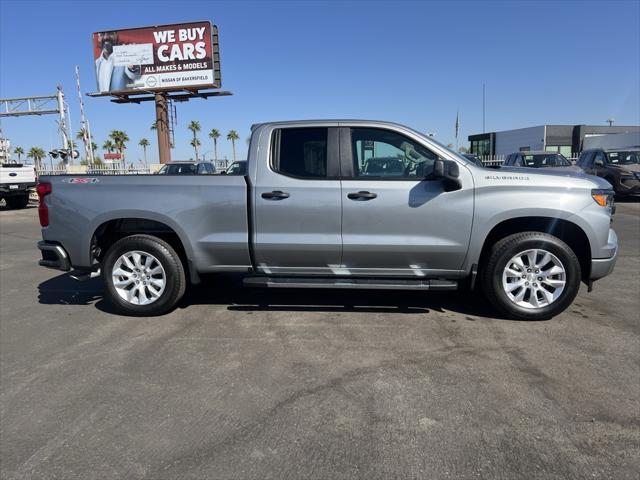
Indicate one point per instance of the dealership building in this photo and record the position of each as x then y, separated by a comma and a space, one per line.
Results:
566, 139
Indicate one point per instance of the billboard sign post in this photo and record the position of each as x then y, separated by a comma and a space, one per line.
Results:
147, 64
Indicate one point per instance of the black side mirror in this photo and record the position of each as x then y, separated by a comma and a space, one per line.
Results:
449, 172
598, 163
438, 169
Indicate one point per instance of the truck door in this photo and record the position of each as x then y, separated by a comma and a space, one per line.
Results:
394, 221
297, 202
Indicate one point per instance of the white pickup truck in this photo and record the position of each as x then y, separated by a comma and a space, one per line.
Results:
16, 181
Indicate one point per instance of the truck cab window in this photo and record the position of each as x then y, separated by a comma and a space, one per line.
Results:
300, 152
389, 155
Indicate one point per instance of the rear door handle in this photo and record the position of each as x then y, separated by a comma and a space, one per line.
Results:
275, 195
362, 196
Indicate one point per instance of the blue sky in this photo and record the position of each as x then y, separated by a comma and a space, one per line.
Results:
415, 63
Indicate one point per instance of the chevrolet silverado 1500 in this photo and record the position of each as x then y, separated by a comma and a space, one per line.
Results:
336, 204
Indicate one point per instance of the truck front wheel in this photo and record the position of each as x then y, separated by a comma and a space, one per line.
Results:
143, 275
531, 276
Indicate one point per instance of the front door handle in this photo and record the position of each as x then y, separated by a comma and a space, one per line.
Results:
362, 196
275, 195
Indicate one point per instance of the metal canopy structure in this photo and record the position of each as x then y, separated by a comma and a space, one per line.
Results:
18, 107
42, 105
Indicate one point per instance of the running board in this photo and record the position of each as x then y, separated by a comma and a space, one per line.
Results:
361, 283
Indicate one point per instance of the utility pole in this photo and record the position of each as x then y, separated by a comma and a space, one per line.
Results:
162, 127
483, 109
610, 121
63, 125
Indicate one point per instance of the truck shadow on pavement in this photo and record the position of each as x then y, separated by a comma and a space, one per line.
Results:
228, 290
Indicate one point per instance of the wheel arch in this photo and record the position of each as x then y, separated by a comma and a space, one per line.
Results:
110, 230
567, 231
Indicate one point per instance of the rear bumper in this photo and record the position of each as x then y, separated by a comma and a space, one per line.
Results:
54, 256
601, 267
19, 188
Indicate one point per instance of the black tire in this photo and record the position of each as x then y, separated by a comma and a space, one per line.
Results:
507, 248
175, 283
17, 201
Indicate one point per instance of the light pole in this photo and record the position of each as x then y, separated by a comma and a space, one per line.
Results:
610, 121
204, 155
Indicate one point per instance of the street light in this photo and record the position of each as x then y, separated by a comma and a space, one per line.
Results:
204, 155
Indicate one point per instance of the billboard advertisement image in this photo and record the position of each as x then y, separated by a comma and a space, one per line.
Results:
158, 58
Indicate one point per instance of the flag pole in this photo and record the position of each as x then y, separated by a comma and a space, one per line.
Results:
457, 127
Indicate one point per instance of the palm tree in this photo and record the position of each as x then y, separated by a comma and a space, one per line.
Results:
195, 143
233, 136
120, 139
214, 134
108, 146
144, 143
154, 125
18, 151
194, 126
37, 154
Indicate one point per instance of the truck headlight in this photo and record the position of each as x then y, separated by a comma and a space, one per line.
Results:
604, 198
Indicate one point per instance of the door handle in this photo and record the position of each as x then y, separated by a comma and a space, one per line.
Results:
362, 196
275, 195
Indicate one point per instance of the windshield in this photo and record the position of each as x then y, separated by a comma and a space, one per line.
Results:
178, 169
543, 160
473, 158
624, 157
236, 168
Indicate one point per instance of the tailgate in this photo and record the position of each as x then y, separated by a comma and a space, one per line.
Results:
13, 174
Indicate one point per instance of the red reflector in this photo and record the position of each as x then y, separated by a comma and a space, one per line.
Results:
43, 213
43, 190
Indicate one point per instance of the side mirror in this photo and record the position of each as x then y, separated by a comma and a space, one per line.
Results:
449, 172
598, 163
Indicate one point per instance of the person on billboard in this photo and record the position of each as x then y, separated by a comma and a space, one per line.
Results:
109, 76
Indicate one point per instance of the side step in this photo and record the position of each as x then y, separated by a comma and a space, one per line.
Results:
361, 283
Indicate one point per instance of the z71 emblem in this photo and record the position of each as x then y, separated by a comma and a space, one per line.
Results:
81, 180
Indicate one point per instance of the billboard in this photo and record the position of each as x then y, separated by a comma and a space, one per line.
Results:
158, 58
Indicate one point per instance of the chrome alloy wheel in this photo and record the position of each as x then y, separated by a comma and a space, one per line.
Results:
138, 277
534, 278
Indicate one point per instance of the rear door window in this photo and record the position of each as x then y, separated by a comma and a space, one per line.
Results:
300, 152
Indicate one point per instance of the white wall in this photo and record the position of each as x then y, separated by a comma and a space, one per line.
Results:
512, 140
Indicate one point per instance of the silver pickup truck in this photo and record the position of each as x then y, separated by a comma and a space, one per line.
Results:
336, 204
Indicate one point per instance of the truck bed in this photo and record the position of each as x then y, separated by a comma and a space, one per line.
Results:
207, 212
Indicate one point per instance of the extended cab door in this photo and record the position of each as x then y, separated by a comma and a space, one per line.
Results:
297, 217
395, 221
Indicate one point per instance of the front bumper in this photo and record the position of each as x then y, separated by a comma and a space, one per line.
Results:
54, 256
601, 267
627, 185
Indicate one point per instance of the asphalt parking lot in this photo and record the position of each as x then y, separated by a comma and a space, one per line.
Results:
248, 384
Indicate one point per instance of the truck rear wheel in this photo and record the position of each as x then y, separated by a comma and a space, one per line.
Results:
17, 201
143, 275
531, 276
